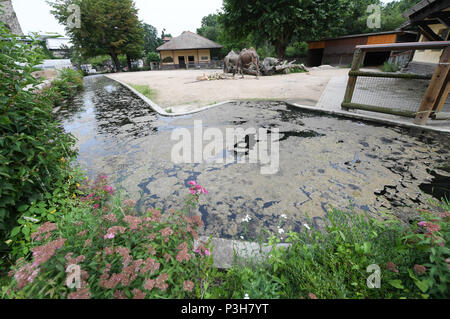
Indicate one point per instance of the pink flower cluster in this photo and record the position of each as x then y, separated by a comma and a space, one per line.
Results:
46, 229
196, 189
112, 232
183, 254
203, 251
43, 253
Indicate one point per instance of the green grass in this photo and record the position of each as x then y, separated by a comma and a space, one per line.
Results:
333, 263
146, 91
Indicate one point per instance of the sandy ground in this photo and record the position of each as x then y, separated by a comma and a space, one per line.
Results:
180, 91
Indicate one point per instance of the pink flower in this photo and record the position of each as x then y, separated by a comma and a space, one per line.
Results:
422, 224
109, 189
391, 266
419, 269
193, 192
96, 206
192, 183
109, 236
188, 285
204, 191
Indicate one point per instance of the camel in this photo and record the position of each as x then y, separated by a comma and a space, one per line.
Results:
246, 57
230, 62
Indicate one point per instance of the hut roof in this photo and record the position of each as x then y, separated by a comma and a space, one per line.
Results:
188, 41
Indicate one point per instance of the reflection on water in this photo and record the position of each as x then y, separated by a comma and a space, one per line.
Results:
323, 160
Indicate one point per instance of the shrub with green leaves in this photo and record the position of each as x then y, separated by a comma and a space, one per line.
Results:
413, 260
68, 83
118, 253
153, 57
32, 145
390, 67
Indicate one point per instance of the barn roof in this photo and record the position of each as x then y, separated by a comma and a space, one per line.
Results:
188, 41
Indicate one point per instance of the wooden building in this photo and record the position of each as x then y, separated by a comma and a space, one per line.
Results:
432, 19
339, 51
187, 50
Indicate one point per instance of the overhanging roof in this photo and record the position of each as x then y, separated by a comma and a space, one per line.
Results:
362, 35
189, 41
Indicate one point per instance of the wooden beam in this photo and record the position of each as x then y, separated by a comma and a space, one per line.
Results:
444, 19
430, 45
437, 83
427, 32
358, 59
442, 96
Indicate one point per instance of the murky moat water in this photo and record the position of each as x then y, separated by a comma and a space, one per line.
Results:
323, 161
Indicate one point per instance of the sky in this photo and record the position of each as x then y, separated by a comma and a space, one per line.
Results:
175, 16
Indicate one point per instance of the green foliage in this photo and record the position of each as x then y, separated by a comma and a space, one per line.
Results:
255, 281
68, 83
332, 263
121, 252
151, 39
390, 67
58, 202
210, 27
279, 21
168, 59
153, 57
32, 144
108, 27
297, 50
287, 24
146, 91
265, 51
99, 62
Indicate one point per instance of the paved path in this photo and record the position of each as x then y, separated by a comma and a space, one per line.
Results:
334, 92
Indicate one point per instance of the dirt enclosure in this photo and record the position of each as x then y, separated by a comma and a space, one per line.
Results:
180, 91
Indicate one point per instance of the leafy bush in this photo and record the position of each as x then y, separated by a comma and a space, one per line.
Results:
390, 67
266, 51
153, 57
34, 150
119, 254
333, 264
100, 61
297, 50
168, 59
68, 83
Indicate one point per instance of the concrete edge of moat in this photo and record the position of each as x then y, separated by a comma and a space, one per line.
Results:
334, 112
227, 253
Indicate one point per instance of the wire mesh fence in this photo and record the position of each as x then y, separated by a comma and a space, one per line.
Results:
393, 93
419, 96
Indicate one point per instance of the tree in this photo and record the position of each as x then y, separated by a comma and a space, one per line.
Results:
355, 18
107, 27
210, 27
151, 39
277, 21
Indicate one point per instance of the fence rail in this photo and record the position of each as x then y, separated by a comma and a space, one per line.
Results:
371, 86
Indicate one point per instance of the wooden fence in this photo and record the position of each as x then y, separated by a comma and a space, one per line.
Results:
436, 93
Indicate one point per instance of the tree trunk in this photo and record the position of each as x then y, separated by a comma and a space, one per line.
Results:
115, 60
281, 50
129, 63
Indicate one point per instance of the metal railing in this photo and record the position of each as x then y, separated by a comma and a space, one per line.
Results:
399, 93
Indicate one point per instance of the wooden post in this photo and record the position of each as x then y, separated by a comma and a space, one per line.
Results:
437, 84
358, 59
443, 97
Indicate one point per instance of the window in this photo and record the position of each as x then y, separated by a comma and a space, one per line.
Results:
204, 58
168, 59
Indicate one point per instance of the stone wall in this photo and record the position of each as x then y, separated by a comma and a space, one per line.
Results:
9, 17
